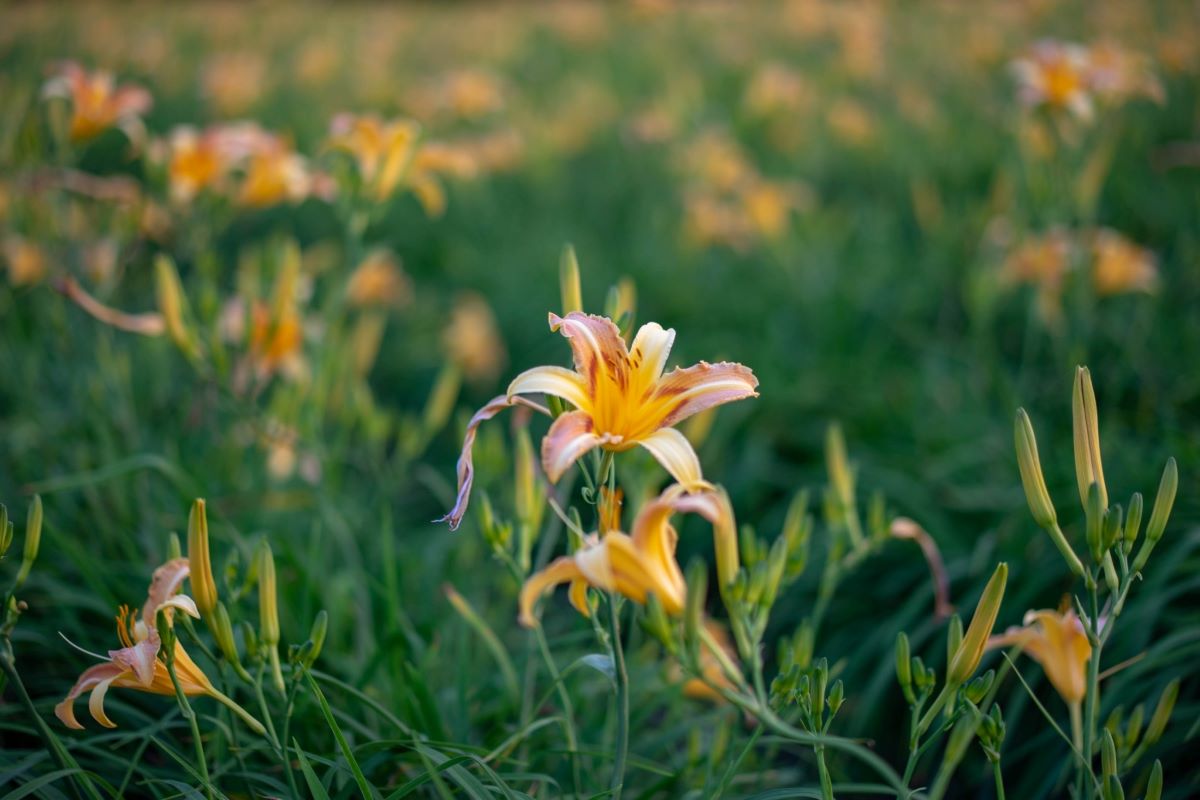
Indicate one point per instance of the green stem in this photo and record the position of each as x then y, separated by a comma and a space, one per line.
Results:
564, 697
622, 680
287, 726
61, 754
185, 708
999, 776
927, 720
823, 771
1091, 700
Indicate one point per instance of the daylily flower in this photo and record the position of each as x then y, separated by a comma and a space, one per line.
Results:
1057, 641
634, 565
1054, 75
198, 160
1120, 265
379, 281
472, 340
274, 173
381, 150
621, 397
137, 665
97, 102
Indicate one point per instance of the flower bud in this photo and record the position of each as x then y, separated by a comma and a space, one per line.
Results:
978, 688
797, 531
954, 636
1112, 789
1108, 754
1154, 786
530, 501
1030, 467
268, 610
174, 549
222, 630
1088, 469
621, 305
970, 652
171, 304
33, 539
924, 678
820, 681
442, 397
6, 531
316, 639
775, 564
904, 667
1110, 574
200, 575
1112, 528
1133, 521
1163, 502
568, 281
841, 482
725, 541
837, 695
250, 639
656, 623
1162, 714
1095, 521
1133, 728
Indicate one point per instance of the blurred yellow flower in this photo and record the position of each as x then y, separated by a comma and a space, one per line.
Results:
97, 102
621, 400
1056, 640
275, 340
463, 94
472, 339
1120, 265
274, 174
199, 160
234, 81
382, 150
25, 259
776, 89
1054, 75
137, 664
379, 281
1043, 262
634, 565
1117, 74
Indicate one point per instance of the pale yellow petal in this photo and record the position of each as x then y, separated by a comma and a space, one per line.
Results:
650, 349
569, 437
672, 449
555, 381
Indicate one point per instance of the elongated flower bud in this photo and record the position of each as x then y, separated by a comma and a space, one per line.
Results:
530, 502
33, 540
6, 531
1160, 514
568, 281
693, 618
1095, 521
268, 610
204, 587
1133, 521
1088, 468
1154, 786
1112, 527
170, 303
904, 667
970, 652
1031, 472
1112, 789
316, 638
725, 541
1162, 713
1108, 754
954, 637
1133, 728
442, 397
621, 304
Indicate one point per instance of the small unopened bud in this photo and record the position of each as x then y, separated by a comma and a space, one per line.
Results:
1163, 502
841, 480
837, 695
802, 644
775, 564
442, 397
171, 304
1108, 754
960, 739
1162, 713
970, 652
797, 531
757, 584
1133, 521
924, 678
978, 688
174, 548
200, 574
954, 636
6, 531
1030, 467
1112, 527
1088, 469
222, 629
33, 540
568, 281
529, 499
904, 667
621, 304
316, 639
1154, 786
1110, 574
250, 639
1133, 728
268, 610
725, 541
820, 682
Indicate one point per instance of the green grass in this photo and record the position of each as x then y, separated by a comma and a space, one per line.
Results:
869, 309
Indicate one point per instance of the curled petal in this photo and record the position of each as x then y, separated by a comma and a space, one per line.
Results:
569, 437
684, 392
163, 586
596, 345
650, 350
466, 469
561, 570
140, 659
182, 602
555, 381
672, 449
90, 679
577, 594
96, 702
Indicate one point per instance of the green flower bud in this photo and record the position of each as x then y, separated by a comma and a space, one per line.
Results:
1133, 729
904, 667
1094, 506
568, 281
1108, 754
1112, 527
837, 696
1154, 786
1088, 469
655, 623
1162, 713
1163, 502
250, 639
954, 636
1112, 788
33, 540
819, 684
776, 563
174, 549
268, 611
1030, 467
1133, 521
316, 639
200, 575
978, 688
1110, 574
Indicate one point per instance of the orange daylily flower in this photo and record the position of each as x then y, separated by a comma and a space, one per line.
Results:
199, 160
635, 565
97, 102
137, 665
275, 173
381, 150
622, 400
1057, 641
1120, 265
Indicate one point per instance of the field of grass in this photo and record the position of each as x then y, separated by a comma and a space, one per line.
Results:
286, 254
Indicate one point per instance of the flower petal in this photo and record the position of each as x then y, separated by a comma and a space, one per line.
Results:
91, 678
650, 350
163, 586
555, 381
140, 659
672, 449
596, 345
96, 702
569, 437
466, 468
561, 570
684, 392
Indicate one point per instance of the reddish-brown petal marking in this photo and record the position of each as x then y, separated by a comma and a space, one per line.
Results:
689, 391
596, 347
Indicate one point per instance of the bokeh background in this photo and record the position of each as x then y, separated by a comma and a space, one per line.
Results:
846, 197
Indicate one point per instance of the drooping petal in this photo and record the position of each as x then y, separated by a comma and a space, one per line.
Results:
684, 392
596, 346
649, 352
96, 702
466, 469
556, 381
672, 449
163, 586
577, 594
561, 570
569, 437
90, 678
183, 603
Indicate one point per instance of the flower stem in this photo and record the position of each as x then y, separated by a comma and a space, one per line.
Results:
622, 680
999, 776
823, 771
189, 714
564, 697
248, 718
1092, 698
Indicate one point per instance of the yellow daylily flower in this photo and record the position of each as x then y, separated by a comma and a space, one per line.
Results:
622, 400
97, 102
382, 150
634, 565
1057, 641
1120, 265
137, 665
275, 173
